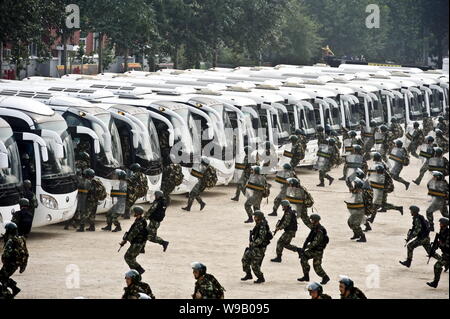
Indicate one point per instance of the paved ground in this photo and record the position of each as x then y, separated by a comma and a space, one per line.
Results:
65, 264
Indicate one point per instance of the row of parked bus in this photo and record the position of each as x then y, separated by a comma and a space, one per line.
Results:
146, 118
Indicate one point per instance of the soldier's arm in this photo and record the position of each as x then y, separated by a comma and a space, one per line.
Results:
132, 233
286, 221
261, 237
305, 219
317, 240
417, 227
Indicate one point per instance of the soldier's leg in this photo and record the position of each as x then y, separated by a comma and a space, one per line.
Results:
430, 217
246, 262
277, 202
344, 173
444, 210
288, 242
6, 272
305, 257
200, 201
256, 263
128, 204
317, 264
248, 209
401, 180
422, 172
284, 241
115, 222
152, 229
191, 198
321, 178
130, 256
411, 246
92, 214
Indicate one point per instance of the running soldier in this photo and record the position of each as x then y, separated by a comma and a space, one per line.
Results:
246, 168
350, 139
438, 163
438, 190
137, 188
84, 185
23, 218
206, 285
297, 152
96, 194
426, 155
398, 159
442, 124
383, 141
118, 208
255, 188
313, 248
348, 290
321, 137
357, 210
29, 194
282, 178
420, 232
367, 195
302, 139
415, 138
15, 256
135, 286
137, 236
427, 123
171, 178
155, 215
325, 159
368, 137
396, 129
260, 238
288, 223
441, 242
315, 290
441, 140
354, 161
299, 198
207, 178
382, 185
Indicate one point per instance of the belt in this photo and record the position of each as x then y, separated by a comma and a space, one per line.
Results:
281, 180
379, 141
432, 192
355, 205
396, 158
84, 191
426, 155
294, 200
377, 185
288, 154
321, 154
240, 166
349, 149
115, 193
196, 174
368, 135
255, 187
436, 168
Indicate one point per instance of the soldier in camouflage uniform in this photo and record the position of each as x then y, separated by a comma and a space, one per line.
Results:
398, 159
357, 209
282, 178
299, 198
288, 223
14, 257
441, 140
428, 124
368, 137
246, 168
84, 185
137, 236
84, 189
420, 232
96, 193
155, 215
23, 218
313, 248
384, 141
326, 157
82, 163
442, 124
441, 242
350, 139
320, 135
438, 189
254, 192
253, 257
316, 291
416, 138
118, 208
297, 152
300, 133
172, 177
29, 194
396, 129
438, 163
426, 155
348, 290
203, 175
382, 186
137, 188
206, 285
367, 194
135, 286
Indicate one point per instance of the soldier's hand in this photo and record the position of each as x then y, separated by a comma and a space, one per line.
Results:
122, 243
198, 295
22, 269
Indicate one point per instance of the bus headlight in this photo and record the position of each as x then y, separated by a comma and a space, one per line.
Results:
49, 202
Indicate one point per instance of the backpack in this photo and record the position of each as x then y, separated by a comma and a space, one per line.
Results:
309, 201
210, 177
99, 190
159, 214
425, 226
217, 289
143, 186
326, 239
266, 192
269, 235
176, 174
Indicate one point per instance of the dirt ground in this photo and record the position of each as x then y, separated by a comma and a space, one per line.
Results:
66, 264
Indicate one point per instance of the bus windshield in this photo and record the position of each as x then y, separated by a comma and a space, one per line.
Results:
377, 109
398, 108
148, 149
113, 159
11, 176
57, 167
416, 108
435, 103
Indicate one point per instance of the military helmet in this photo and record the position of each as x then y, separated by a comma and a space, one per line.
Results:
320, 129
438, 175
24, 202
285, 203
439, 132
121, 174
84, 156
429, 139
133, 275
394, 120
440, 119
377, 157
293, 138
205, 160
399, 143
373, 123
357, 148
444, 221
287, 166
438, 151
89, 173
258, 214
379, 169
334, 133
11, 228
293, 181
299, 132
27, 184
327, 129
360, 173
199, 267
331, 141
314, 286
256, 169
384, 128
135, 167
414, 209
362, 122
416, 125
358, 184
346, 281
315, 218
138, 210
352, 134
159, 194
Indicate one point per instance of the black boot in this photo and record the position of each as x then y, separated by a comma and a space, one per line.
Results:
107, 228
362, 239
91, 228
202, 205
276, 259
322, 184
407, 185
274, 213
188, 207
117, 229
260, 280
325, 280
15, 290
248, 276
304, 278
400, 209
249, 220
431, 227
80, 229
368, 227
330, 180
354, 237
342, 178
433, 284
416, 182
140, 270
126, 215
165, 244
406, 263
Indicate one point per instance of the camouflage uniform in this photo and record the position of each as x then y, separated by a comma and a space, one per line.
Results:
282, 178
355, 293
172, 177
118, 209
254, 254
288, 223
137, 236
137, 187
439, 192
444, 260
158, 207
397, 131
313, 248
297, 154
132, 291
209, 287
84, 188
254, 192
368, 137
203, 179
299, 198
420, 233
426, 155
416, 137
15, 256
325, 159
356, 208
246, 168
398, 158
97, 193
81, 166
442, 142
28, 194
428, 125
